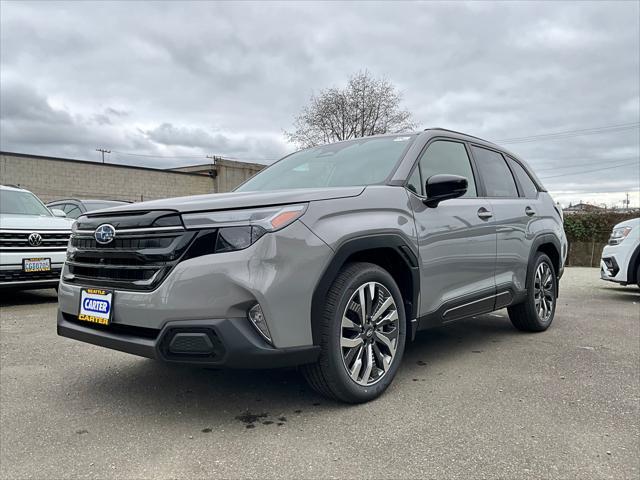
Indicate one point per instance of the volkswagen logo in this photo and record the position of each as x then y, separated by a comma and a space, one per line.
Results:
104, 234
35, 239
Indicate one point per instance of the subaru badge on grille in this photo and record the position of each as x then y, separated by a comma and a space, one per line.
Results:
105, 233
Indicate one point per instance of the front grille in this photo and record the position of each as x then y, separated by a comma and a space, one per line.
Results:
20, 276
51, 240
138, 258
124, 243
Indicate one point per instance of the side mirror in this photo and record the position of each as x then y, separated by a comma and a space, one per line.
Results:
444, 187
58, 213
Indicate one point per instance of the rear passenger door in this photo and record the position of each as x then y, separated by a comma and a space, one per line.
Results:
513, 213
456, 239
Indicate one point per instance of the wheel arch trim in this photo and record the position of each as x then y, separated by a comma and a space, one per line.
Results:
355, 245
543, 239
632, 267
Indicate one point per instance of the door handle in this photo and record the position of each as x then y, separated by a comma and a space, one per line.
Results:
484, 214
530, 211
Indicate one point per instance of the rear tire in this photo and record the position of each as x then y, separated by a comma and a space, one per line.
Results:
536, 312
638, 275
359, 353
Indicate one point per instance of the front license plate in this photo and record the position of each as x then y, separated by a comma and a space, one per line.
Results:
36, 265
95, 305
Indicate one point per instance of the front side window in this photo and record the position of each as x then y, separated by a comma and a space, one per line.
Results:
22, 203
415, 183
495, 174
446, 157
530, 189
365, 161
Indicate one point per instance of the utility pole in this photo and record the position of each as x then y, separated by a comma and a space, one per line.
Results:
213, 173
627, 202
213, 158
103, 151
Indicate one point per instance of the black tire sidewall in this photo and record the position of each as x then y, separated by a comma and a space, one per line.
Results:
349, 390
531, 302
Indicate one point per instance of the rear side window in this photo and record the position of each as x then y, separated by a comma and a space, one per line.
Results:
445, 157
74, 212
495, 174
529, 188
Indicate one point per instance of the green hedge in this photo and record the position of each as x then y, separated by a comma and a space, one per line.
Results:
594, 226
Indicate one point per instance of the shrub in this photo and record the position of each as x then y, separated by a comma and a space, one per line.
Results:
594, 226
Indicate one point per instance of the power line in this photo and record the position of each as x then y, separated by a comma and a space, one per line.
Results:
203, 156
572, 133
157, 156
574, 165
589, 171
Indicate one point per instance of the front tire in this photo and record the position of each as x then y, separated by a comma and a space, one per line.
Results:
362, 335
536, 313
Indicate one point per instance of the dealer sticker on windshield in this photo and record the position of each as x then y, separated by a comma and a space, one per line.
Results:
95, 305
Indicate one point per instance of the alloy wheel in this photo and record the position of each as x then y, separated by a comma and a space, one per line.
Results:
544, 292
369, 333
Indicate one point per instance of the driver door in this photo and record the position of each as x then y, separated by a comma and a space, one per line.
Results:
457, 240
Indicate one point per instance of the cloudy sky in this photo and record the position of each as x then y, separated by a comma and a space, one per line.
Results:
172, 82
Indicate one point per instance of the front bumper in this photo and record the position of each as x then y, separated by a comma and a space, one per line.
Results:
12, 276
231, 343
279, 271
614, 262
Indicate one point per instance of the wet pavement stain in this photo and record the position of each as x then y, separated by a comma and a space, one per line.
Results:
206, 430
249, 417
82, 432
421, 363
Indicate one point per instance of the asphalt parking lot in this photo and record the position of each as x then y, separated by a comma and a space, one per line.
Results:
473, 400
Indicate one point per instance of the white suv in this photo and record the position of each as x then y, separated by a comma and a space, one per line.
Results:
33, 240
621, 257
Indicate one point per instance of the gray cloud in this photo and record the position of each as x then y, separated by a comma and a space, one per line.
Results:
189, 79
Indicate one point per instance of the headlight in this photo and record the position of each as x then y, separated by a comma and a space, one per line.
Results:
618, 235
270, 218
230, 230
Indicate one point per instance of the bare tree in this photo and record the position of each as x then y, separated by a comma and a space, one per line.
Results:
366, 106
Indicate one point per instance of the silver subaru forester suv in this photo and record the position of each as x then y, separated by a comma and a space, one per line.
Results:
330, 259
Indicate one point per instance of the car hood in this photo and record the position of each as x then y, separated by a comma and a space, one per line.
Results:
9, 221
231, 200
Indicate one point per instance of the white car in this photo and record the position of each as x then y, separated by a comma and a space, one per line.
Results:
621, 257
33, 240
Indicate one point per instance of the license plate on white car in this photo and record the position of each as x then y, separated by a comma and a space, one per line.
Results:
95, 305
36, 265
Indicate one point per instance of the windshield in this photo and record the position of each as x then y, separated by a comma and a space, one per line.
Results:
22, 203
364, 161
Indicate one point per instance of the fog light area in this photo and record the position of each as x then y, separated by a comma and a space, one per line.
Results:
256, 316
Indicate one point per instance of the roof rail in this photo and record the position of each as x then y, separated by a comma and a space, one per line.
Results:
459, 133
